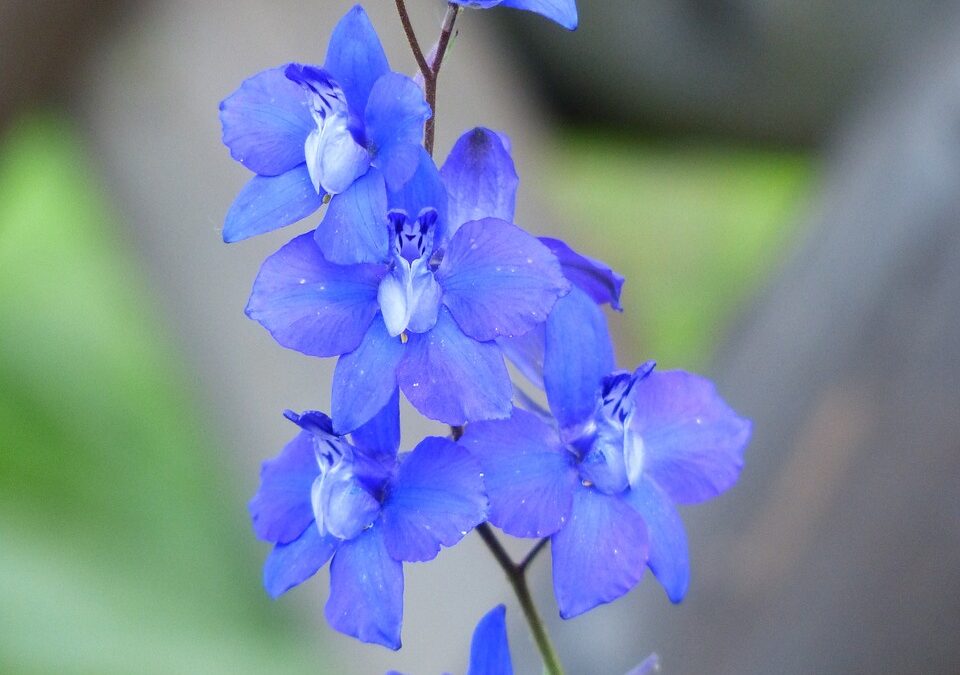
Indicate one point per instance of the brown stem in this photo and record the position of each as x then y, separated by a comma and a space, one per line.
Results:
429, 71
430, 83
412, 39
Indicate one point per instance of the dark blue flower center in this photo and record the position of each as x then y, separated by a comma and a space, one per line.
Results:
608, 448
412, 237
345, 493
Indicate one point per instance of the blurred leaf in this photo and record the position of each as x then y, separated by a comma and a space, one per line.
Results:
123, 544
695, 228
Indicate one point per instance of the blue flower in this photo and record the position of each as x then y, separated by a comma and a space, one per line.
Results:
591, 277
489, 650
563, 12
425, 309
308, 132
366, 507
602, 476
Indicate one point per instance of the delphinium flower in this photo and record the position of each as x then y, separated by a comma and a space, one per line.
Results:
482, 180
426, 315
419, 281
310, 132
368, 508
601, 477
489, 649
563, 12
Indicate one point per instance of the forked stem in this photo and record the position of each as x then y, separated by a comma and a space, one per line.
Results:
516, 572
517, 576
429, 71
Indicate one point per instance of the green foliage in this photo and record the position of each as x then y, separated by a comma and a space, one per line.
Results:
694, 227
124, 545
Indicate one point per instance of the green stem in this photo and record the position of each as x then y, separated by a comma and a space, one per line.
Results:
516, 575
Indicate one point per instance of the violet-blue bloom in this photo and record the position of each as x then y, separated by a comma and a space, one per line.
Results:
425, 315
311, 132
481, 179
563, 12
369, 509
601, 479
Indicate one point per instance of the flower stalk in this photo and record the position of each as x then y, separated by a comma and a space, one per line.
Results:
516, 572
517, 576
430, 71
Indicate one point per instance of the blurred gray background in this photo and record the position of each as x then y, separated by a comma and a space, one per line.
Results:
779, 182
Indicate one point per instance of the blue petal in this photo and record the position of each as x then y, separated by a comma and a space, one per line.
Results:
436, 498
480, 178
526, 353
692, 441
335, 151
649, 665
381, 435
529, 475
498, 280
564, 12
334, 157
281, 508
593, 277
289, 565
599, 555
479, 4
354, 228
424, 190
267, 203
365, 379
314, 421
342, 504
669, 560
355, 57
311, 305
604, 465
265, 123
366, 591
578, 355
452, 378
489, 650
395, 115
409, 296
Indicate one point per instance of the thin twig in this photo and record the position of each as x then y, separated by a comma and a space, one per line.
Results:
446, 31
496, 548
532, 554
516, 575
425, 69
430, 81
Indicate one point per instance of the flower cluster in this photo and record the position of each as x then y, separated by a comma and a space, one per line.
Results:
418, 280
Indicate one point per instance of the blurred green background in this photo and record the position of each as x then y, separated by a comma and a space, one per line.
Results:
122, 545
123, 538
777, 181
